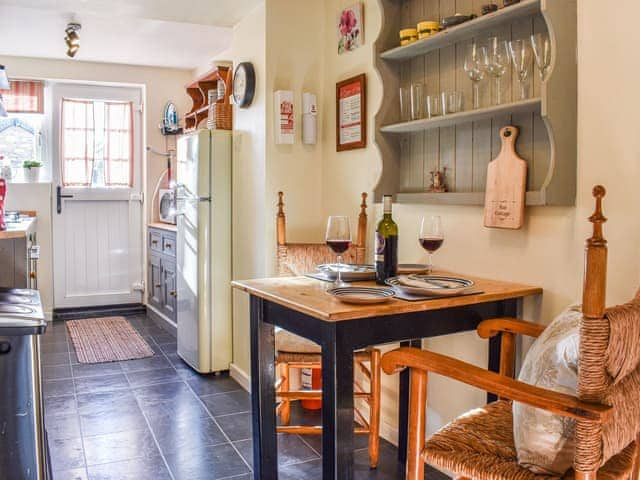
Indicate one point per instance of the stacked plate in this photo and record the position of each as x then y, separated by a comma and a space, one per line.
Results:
348, 272
354, 272
362, 295
431, 285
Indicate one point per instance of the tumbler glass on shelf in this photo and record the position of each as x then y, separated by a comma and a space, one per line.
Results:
417, 101
498, 62
475, 65
431, 237
434, 104
451, 102
405, 103
338, 238
541, 45
521, 56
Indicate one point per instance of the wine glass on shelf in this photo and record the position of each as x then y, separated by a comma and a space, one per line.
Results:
521, 56
497, 64
541, 45
338, 238
475, 65
431, 237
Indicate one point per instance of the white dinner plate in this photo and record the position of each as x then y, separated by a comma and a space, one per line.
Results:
362, 295
432, 285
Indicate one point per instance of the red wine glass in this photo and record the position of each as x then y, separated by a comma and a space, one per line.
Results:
431, 237
338, 238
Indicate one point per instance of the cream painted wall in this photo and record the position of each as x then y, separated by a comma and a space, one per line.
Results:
295, 62
251, 211
286, 56
161, 85
548, 250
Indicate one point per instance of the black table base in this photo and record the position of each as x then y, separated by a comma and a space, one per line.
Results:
339, 340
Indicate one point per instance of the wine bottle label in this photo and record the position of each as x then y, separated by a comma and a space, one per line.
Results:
379, 247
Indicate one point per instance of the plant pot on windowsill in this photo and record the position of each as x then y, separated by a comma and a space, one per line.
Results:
32, 171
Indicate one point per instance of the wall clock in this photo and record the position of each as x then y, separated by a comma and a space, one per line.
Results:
244, 84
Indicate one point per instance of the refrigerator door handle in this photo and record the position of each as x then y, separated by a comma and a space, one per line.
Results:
195, 199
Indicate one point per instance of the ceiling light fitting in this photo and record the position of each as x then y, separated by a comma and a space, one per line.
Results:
72, 38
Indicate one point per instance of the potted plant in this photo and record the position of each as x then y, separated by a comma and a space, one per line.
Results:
31, 170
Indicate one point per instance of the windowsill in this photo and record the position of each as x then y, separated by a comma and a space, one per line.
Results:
18, 181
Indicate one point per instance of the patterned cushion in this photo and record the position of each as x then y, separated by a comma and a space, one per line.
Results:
544, 441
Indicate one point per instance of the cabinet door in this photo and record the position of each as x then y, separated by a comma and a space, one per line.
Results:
169, 288
155, 281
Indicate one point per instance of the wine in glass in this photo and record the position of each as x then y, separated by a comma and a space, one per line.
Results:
498, 62
431, 237
542, 51
521, 56
338, 238
475, 65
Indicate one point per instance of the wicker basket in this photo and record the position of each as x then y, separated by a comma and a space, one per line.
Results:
222, 115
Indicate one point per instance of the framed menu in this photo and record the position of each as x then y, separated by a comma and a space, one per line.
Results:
351, 113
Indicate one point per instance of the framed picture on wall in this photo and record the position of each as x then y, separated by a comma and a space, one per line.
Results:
350, 28
351, 113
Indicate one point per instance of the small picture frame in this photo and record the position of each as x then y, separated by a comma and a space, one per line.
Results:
351, 113
350, 28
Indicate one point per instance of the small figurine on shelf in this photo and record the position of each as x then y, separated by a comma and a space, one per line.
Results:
438, 181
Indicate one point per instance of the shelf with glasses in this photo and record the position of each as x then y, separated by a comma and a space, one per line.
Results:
463, 31
532, 105
464, 143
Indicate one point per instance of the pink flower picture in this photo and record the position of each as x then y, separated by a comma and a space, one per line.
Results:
350, 28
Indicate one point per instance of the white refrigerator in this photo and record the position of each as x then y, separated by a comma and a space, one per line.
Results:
203, 197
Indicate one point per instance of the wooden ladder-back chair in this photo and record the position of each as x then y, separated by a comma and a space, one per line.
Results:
294, 352
480, 445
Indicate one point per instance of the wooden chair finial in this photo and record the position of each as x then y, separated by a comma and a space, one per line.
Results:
280, 221
595, 275
280, 204
362, 222
598, 217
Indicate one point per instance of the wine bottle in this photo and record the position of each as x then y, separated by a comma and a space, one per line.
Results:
386, 244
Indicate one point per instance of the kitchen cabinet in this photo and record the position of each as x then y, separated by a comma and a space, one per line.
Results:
161, 273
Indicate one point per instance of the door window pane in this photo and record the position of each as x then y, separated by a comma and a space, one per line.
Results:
97, 140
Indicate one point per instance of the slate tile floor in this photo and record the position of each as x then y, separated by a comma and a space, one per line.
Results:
156, 419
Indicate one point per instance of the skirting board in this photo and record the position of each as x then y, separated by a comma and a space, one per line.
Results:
240, 376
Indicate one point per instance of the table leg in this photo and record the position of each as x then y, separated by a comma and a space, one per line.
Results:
403, 405
508, 308
337, 407
265, 446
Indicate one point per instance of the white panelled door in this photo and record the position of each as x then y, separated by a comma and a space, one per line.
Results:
97, 202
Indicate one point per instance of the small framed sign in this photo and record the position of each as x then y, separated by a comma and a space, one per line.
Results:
351, 113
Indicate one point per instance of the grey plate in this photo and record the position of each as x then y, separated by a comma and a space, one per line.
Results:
348, 271
434, 285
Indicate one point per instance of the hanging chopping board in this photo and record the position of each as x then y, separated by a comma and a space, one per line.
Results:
506, 185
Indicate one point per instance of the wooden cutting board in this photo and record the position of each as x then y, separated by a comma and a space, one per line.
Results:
506, 185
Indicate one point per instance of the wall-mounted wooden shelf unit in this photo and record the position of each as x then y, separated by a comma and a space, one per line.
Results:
198, 91
464, 143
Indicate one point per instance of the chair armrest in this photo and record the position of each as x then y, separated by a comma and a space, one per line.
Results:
491, 328
559, 403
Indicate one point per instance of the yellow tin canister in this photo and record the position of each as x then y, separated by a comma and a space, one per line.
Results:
428, 28
408, 35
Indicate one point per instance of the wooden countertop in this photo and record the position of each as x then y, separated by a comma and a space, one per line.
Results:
163, 226
309, 296
19, 230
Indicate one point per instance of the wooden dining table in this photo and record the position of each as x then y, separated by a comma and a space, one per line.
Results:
302, 306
